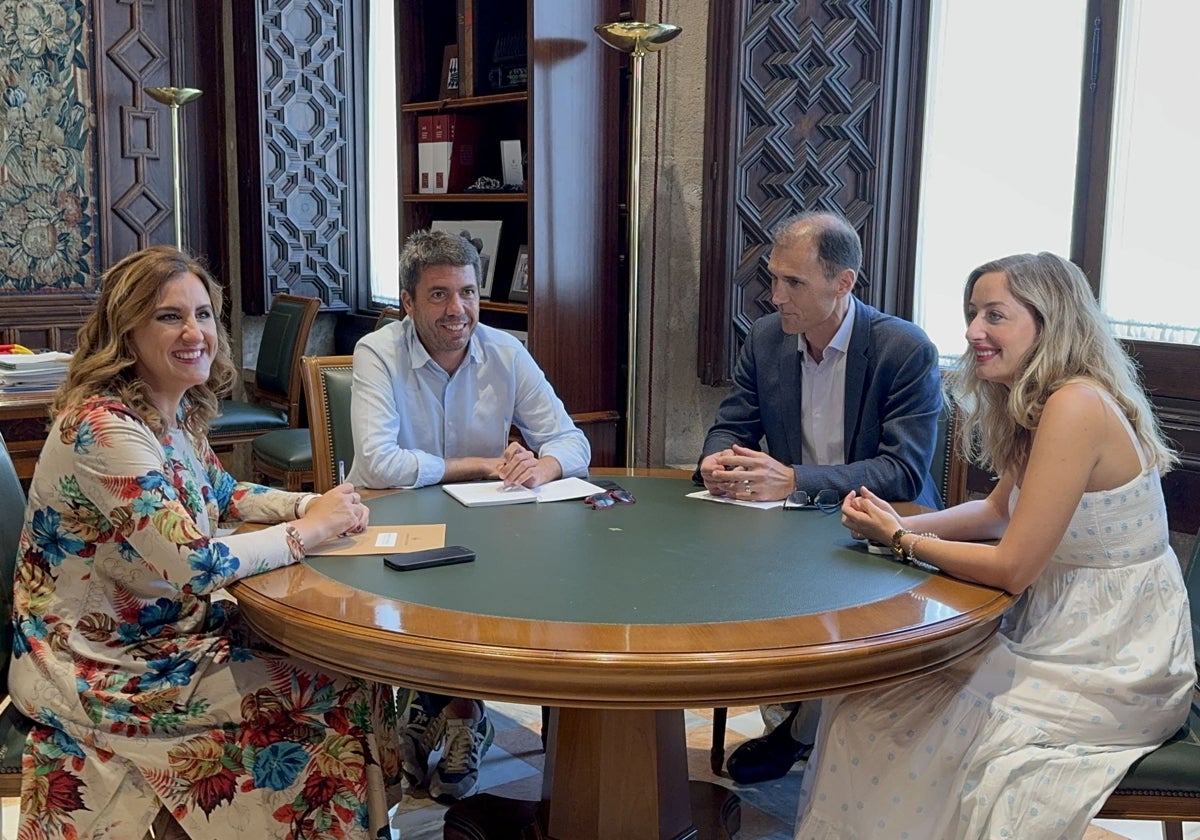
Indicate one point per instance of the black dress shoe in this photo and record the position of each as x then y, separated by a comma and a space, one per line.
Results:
769, 757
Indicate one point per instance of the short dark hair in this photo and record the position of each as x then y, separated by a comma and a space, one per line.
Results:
425, 248
838, 245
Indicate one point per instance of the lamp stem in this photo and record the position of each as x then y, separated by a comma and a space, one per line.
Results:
177, 170
635, 198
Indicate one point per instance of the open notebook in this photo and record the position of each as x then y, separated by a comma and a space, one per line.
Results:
481, 493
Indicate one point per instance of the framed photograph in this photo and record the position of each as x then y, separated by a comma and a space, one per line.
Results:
519, 290
450, 85
484, 234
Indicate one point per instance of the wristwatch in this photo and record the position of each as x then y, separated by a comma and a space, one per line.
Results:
897, 546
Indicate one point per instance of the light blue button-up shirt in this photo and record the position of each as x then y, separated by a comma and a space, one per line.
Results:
408, 415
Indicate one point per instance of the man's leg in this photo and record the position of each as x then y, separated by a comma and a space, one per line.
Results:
468, 734
772, 755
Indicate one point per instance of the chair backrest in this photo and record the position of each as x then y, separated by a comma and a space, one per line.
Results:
1191, 578
327, 381
12, 502
285, 334
388, 315
949, 470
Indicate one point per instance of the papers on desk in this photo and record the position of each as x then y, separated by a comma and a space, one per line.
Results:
32, 372
384, 539
483, 493
725, 500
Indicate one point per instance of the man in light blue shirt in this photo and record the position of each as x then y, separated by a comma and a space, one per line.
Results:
434, 399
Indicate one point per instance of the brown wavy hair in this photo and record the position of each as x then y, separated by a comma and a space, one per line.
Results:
1073, 344
104, 361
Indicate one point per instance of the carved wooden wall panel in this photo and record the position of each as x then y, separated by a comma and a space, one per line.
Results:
301, 140
103, 183
806, 111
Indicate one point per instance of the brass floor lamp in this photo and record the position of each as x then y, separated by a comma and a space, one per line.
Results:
174, 97
636, 39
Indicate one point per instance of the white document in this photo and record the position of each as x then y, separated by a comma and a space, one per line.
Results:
725, 500
482, 493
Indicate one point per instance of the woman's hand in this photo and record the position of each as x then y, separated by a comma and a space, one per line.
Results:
867, 515
332, 514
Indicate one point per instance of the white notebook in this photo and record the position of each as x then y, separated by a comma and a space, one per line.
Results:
482, 493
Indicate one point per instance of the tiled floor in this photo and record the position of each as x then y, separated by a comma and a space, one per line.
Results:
513, 768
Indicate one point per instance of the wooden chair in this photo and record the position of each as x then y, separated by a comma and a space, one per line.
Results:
1164, 786
273, 411
286, 455
327, 381
950, 473
13, 725
275, 395
388, 315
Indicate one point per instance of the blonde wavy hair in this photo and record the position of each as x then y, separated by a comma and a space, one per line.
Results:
1073, 343
103, 363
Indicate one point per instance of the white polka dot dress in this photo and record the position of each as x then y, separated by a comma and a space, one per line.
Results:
1093, 668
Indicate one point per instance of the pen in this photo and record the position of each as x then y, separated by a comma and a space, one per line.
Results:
341, 471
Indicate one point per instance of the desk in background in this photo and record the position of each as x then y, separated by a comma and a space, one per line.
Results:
620, 618
24, 421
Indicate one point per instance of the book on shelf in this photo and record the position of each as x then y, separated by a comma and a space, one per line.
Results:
455, 141
487, 493
511, 164
425, 154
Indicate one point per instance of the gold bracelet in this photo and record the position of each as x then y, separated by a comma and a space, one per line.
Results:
897, 546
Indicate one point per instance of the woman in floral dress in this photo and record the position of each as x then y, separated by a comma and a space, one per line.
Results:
146, 693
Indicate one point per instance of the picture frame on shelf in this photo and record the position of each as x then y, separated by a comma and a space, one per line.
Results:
519, 289
451, 89
484, 234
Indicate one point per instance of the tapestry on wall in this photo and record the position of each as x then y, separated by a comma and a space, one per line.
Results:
47, 191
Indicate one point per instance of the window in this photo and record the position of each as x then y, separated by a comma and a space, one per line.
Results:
1154, 176
1002, 149
383, 217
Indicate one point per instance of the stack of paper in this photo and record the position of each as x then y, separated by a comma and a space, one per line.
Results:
481, 493
20, 373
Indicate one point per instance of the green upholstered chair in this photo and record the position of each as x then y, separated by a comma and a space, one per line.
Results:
274, 397
13, 725
1164, 786
327, 382
286, 455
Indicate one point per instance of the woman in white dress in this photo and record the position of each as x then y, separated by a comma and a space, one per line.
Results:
1093, 666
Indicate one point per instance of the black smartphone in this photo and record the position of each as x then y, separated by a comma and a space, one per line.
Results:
429, 557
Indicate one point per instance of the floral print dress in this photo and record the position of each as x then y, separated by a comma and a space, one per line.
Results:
145, 691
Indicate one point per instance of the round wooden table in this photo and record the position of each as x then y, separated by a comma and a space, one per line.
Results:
620, 618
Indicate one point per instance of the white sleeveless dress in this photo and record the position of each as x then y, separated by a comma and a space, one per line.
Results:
1092, 668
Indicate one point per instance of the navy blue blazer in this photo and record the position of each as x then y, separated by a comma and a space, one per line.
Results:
893, 398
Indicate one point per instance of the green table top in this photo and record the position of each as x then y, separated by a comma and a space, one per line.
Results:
665, 560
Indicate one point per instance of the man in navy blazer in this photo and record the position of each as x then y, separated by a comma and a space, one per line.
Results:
892, 387
844, 396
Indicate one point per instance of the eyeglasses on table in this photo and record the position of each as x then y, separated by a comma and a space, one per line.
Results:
617, 496
826, 501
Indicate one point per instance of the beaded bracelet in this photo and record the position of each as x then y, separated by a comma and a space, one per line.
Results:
911, 554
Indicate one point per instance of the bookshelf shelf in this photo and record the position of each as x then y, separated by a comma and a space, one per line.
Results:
464, 103
475, 198
504, 306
